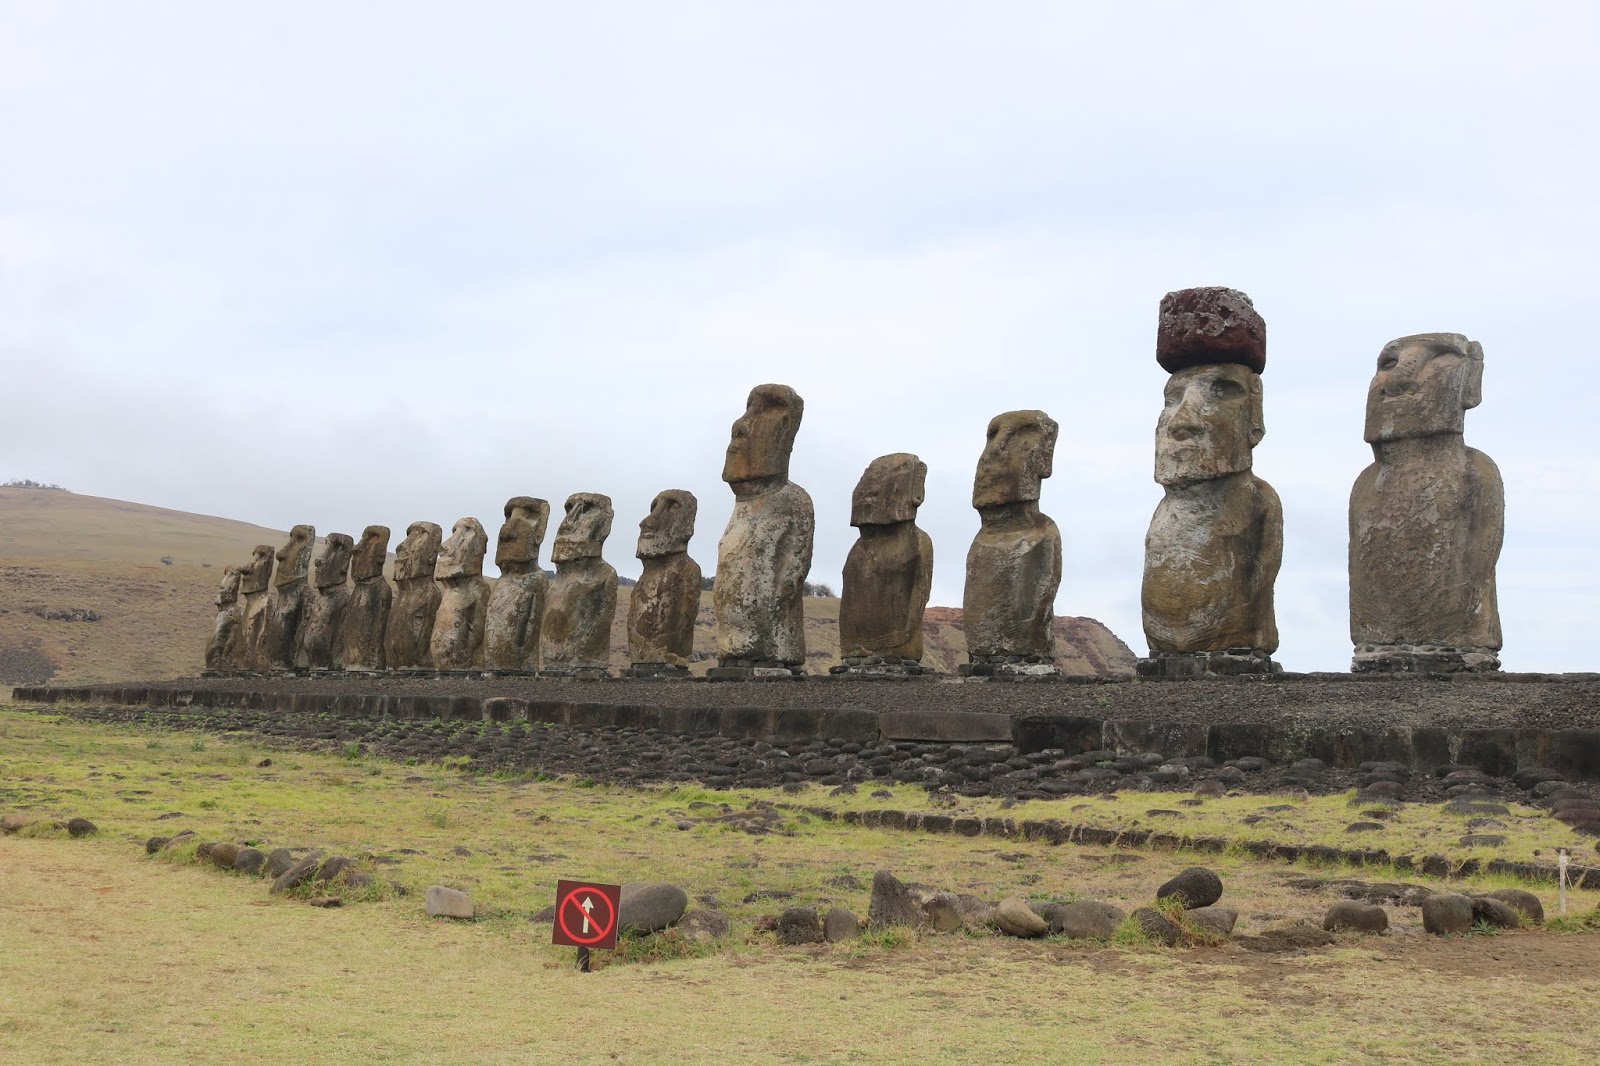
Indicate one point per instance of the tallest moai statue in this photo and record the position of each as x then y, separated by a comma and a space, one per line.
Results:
1426, 518
1215, 542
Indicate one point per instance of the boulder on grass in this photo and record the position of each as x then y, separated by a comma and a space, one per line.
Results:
278, 862
799, 925
1354, 916
1447, 914
249, 861
222, 856
942, 914
892, 903
81, 827
12, 823
1522, 901
839, 925
1015, 918
295, 875
699, 926
1086, 919
1194, 887
443, 902
1158, 927
1218, 920
650, 906
1496, 914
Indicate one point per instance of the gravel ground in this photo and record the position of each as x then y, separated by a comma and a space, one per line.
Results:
1525, 701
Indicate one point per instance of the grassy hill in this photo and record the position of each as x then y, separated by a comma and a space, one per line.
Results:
148, 576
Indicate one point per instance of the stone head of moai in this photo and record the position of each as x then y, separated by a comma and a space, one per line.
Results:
371, 552
462, 555
522, 532
1214, 344
294, 558
417, 553
584, 528
333, 565
1018, 454
763, 437
258, 575
228, 588
1424, 387
890, 491
666, 530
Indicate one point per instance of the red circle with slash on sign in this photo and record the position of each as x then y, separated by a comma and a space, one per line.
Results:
586, 914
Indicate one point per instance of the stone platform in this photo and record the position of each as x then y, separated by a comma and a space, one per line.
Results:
1498, 723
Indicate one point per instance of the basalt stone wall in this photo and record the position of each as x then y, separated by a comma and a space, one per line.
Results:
1547, 722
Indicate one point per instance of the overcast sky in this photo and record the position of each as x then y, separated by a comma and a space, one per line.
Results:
353, 263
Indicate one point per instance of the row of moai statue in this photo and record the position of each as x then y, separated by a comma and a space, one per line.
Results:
1426, 521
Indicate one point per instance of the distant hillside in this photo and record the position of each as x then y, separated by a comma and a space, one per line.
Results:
65, 558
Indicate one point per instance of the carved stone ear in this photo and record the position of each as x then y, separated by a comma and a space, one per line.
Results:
1258, 419
1472, 389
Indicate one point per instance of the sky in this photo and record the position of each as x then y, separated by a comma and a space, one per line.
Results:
379, 262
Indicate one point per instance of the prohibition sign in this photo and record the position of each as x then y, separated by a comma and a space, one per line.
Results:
586, 914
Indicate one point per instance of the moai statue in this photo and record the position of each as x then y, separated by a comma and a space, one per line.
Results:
888, 573
457, 639
516, 606
1212, 552
575, 637
666, 601
765, 552
330, 596
255, 581
360, 646
225, 652
286, 604
1426, 518
1014, 564
409, 633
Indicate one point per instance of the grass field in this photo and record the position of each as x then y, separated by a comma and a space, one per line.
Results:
108, 955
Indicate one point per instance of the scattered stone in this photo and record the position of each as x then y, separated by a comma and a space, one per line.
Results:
839, 925
326, 901
155, 844
891, 903
12, 823
222, 856
1363, 827
249, 861
698, 926
1497, 914
975, 912
1447, 914
1218, 920
1194, 887
1155, 925
799, 925
1299, 936
297, 874
942, 914
442, 902
334, 866
260, 765
1523, 902
547, 916
279, 862
650, 906
203, 851
1015, 918
1348, 914
1086, 919
1482, 840
81, 827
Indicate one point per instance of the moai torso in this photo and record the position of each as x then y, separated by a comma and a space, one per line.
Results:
516, 605
889, 571
765, 552
582, 603
225, 651
409, 633
456, 642
663, 606
366, 616
1014, 564
1215, 542
328, 599
255, 583
1427, 518
287, 601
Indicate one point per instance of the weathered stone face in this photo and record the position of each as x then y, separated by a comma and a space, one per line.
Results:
890, 491
225, 651
1211, 420
324, 612
1211, 325
409, 633
1018, 454
257, 577
763, 437
522, 533
294, 558
462, 555
1427, 518
418, 552
332, 567
584, 529
371, 552
667, 529
1425, 385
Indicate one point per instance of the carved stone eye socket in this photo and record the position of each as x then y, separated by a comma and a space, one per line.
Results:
1226, 389
1388, 361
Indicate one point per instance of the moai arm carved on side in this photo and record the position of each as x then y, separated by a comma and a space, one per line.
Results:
1427, 518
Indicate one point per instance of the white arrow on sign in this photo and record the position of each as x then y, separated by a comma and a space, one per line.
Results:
588, 907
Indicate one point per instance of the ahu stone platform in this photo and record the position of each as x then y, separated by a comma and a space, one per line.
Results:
1498, 723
